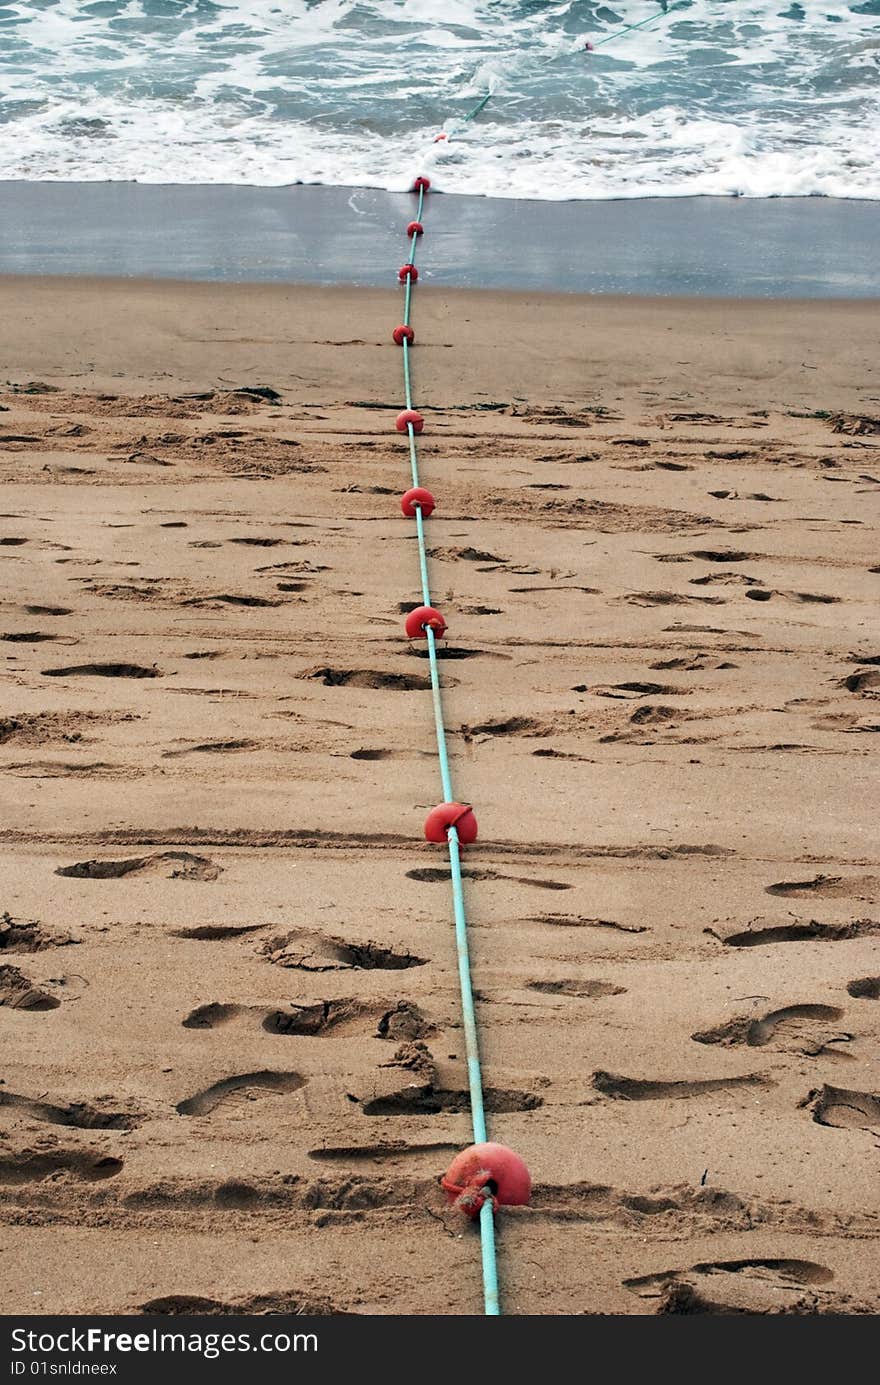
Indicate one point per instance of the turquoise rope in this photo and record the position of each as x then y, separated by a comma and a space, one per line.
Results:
476, 111
407, 383
426, 599
491, 1299
628, 28
407, 307
609, 38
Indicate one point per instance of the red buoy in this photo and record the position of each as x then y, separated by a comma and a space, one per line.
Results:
486, 1167
415, 228
418, 620
409, 417
407, 271
402, 334
418, 499
446, 815
421, 184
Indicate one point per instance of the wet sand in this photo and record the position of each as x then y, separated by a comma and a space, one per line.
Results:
233, 1063
780, 247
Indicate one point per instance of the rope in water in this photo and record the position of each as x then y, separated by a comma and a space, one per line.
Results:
641, 23
475, 1077
609, 38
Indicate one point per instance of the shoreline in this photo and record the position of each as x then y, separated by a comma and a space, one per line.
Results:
813, 248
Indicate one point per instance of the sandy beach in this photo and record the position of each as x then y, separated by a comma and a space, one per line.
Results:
233, 1065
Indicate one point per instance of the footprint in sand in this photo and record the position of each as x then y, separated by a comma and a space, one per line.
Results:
865, 681
32, 1166
758, 933
211, 748
450, 651
862, 887
367, 678
26, 935
865, 988
725, 555
734, 1286
428, 1100
174, 865
262, 542
727, 579
577, 921
659, 598
631, 691
307, 951
434, 874
509, 726
583, 990
103, 671
240, 1089
18, 993
641, 1089
394, 1151
793, 1029
221, 599
402, 1020
844, 1109
178, 1305
81, 1115
466, 555
47, 728
847, 723
216, 932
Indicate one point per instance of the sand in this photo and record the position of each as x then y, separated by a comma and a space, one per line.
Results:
232, 1055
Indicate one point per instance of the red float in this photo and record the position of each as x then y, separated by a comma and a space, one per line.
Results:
415, 228
402, 334
409, 418
486, 1167
446, 815
407, 271
421, 184
418, 499
423, 616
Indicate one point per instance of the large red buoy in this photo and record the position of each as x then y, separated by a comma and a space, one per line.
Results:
418, 620
407, 271
410, 417
415, 228
421, 184
487, 1167
446, 815
418, 498
402, 334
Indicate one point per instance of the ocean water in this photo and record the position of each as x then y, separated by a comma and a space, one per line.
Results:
751, 98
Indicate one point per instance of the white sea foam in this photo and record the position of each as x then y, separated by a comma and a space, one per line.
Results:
753, 98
